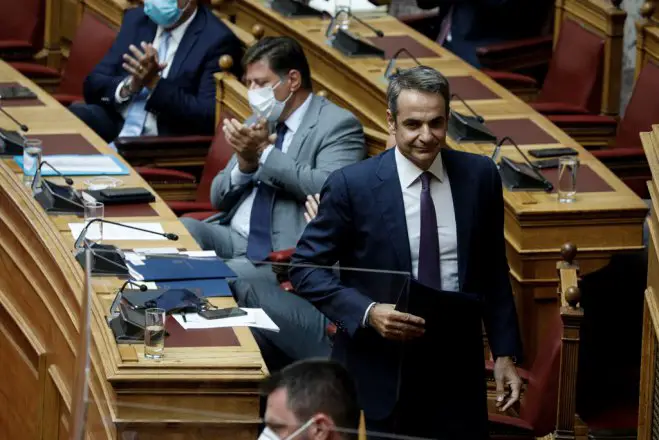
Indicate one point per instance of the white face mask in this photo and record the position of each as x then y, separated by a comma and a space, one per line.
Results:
264, 104
268, 434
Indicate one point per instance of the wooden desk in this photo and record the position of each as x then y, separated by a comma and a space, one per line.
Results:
607, 217
194, 392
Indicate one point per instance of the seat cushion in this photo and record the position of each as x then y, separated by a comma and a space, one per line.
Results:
35, 70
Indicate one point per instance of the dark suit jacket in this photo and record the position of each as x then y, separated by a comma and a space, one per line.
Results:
477, 23
361, 224
184, 102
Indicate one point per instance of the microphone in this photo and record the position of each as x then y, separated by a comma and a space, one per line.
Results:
375, 30
22, 126
67, 179
392, 61
142, 287
519, 176
81, 237
478, 117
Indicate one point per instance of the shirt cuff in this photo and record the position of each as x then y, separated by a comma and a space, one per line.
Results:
266, 152
238, 177
365, 318
117, 93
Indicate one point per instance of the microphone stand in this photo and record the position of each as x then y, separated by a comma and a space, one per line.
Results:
56, 199
392, 61
463, 128
519, 176
114, 264
350, 44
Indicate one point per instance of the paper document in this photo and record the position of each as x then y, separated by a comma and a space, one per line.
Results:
157, 251
357, 7
254, 318
116, 232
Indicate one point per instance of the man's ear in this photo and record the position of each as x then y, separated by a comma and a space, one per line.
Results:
322, 427
295, 78
391, 122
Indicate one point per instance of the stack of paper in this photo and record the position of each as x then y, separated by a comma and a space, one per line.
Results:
117, 232
254, 318
80, 165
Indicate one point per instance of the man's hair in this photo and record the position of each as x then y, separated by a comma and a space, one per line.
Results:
318, 386
282, 54
421, 79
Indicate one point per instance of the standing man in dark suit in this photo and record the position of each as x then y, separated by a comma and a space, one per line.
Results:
466, 25
436, 214
157, 78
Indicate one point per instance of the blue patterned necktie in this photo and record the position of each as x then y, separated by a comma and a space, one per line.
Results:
259, 241
136, 115
429, 271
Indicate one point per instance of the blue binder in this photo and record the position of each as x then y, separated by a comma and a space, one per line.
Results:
211, 288
182, 267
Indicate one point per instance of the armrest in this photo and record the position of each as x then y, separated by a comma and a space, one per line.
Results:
513, 47
181, 207
132, 143
511, 79
16, 50
578, 121
283, 256
619, 153
67, 100
200, 215
164, 174
34, 70
558, 108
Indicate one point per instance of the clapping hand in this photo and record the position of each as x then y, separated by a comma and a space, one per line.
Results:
144, 66
248, 141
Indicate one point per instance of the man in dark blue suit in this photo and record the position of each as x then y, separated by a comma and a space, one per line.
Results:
466, 25
157, 78
436, 214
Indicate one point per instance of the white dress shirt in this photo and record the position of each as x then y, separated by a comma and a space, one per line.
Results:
440, 189
151, 125
240, 220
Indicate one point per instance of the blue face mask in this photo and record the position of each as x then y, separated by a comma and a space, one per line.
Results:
163, 12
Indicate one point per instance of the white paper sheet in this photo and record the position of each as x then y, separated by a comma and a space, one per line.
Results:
254, 318
115, 232
74, 164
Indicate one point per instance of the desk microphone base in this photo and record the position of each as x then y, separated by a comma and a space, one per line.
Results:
462, 128
107, 260
351, 46
59, 200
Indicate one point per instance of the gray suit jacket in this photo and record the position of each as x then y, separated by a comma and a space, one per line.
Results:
328, 138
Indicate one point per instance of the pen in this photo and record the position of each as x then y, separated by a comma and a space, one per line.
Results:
184, 320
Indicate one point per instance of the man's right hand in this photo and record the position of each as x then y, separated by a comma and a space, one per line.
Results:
394, 325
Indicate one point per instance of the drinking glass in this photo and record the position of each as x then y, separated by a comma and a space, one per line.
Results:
342, 14
154, 334
94, 210
567, 178
32, 152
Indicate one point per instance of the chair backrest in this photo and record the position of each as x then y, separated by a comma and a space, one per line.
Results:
93, 39
218, 157
23, 20
549, 403
642, 110
575, 70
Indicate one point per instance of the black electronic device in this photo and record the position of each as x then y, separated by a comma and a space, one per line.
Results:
230, 312
546, 163
553, 152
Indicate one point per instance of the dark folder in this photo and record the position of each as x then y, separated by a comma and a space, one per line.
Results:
182, 267
441, 374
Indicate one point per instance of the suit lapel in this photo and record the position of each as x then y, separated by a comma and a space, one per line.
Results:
309, 121
146, 33
389, 197
462, 194
187, 42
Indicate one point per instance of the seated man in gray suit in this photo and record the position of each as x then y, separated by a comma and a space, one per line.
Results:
283, 153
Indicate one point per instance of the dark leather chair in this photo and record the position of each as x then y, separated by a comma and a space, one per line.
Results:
21, 28
626, 157
93, 39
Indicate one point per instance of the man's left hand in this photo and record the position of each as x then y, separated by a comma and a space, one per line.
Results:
248, 141
508, 382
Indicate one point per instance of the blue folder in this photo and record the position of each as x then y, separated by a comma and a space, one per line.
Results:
47, 171
211, 288
181, 267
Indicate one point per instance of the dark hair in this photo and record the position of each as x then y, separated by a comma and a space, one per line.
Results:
318, 386
419, 78
283, 54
